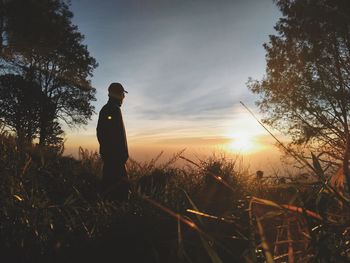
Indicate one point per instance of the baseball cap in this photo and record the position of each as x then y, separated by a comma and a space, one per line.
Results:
116, 89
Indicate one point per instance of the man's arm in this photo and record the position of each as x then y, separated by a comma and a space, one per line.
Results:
105, 132
111, 134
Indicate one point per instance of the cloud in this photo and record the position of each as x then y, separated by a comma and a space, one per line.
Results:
208, 141
184, 62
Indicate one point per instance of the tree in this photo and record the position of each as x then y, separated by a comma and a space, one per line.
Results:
306, 90
20, 106
3, 16
2, 23
43, 46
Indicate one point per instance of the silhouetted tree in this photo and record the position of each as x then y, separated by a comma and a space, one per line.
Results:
50, 132
20, 106
2, 23
306, 90
42, 45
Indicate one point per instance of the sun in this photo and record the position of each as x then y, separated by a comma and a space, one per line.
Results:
242, 143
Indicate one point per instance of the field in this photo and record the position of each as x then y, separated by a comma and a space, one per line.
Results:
206, 211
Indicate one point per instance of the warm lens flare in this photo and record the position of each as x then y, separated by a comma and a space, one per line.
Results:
242, 143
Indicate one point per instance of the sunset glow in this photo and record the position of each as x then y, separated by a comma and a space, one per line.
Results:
242, 143
182, 94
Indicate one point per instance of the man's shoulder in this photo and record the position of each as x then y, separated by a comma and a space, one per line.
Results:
109, 108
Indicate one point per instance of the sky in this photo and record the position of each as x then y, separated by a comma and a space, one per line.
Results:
185, 64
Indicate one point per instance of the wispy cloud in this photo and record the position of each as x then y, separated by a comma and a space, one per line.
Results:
184, 63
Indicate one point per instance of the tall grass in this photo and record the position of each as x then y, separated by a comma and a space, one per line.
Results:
207, 211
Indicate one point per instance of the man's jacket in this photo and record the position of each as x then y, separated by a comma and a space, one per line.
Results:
111, 133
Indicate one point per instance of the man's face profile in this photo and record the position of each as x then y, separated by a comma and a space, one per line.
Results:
121, 97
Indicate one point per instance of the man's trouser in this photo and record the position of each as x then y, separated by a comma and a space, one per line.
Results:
115, 185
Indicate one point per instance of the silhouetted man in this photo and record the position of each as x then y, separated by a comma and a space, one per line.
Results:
113, 145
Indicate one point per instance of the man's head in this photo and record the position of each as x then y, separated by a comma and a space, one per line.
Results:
117, 91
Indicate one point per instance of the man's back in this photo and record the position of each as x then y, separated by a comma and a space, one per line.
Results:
113, 146
111, 132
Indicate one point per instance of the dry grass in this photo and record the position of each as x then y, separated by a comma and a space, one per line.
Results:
207, 211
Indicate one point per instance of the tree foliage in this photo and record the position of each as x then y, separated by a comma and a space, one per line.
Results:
40, 43
305, 92
20, 106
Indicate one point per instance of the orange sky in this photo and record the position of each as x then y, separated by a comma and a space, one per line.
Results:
243, 138
185, 65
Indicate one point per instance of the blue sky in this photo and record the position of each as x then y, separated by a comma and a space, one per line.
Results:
184, 62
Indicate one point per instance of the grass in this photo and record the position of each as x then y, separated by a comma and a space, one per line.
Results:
207, 211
